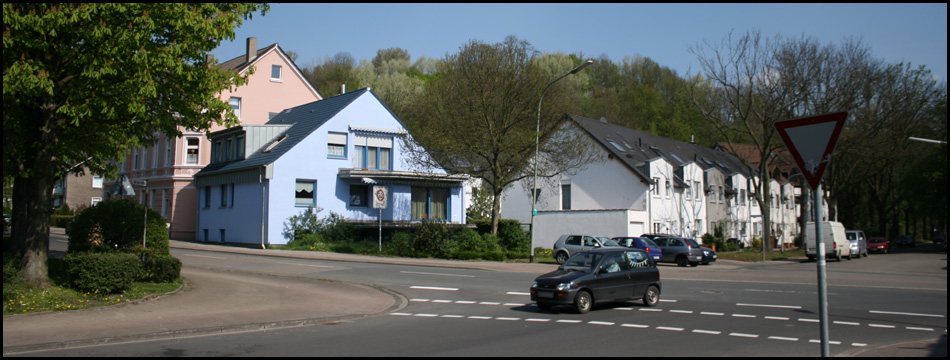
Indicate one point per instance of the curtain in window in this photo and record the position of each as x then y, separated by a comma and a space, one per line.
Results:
420, 201
304, 192
438, 202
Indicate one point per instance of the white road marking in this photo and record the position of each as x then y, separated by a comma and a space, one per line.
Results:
400, 314
919, 328
438, 274
712, 313
859, 344
453, 316
682, 311
846, 323
517, 293
427, 315
776, 318
537, 320
442, 301
771, 306
513, 304
904, 313
882, 326
433, 288
783, 338
743, 316
489, 303
830, 342
809, 320
464, 302
667, 328
653, 310
480, 317
569, 321
507, 318
710, 332
744, 335
638, 326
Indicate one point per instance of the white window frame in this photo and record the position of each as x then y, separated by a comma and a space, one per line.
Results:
97, 181
280, 72
196, 148
235, 103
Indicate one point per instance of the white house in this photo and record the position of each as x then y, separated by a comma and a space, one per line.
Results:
329, 154
642, 184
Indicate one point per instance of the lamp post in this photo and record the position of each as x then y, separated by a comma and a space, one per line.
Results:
537, 139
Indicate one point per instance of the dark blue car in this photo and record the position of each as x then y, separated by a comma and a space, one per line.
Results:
641, 243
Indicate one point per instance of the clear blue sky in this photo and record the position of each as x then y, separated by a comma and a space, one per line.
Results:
915, 33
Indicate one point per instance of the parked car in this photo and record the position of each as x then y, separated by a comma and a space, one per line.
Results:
641, 243
568, 245
833, 237
906, 240
859, 243
709, 255
879, 244
597, 276
939, 238
679, 250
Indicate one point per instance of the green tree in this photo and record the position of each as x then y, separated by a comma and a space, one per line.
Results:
479, 116
91, 81
330, 76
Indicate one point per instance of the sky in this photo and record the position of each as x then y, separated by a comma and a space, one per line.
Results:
914, 33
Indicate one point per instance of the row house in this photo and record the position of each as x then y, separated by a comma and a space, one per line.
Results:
162, 175
643, 183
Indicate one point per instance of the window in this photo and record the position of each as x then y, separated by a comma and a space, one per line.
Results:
305, 193
236, 105
95, 200
275, 72
429, 203
155, 156
221, 231
359, 195
191, 151
373, 152
207, 197
238, 148
135, 159
336, 145
97, 182
699, 192
712, 194
231, 202
224, 195
168, 152
721, 195
205, 231
656, 186
565, 196
166, 203
669, 187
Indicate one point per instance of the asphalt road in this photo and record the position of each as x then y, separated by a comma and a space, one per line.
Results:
724, 309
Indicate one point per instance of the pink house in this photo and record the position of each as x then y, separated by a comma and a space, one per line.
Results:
170, 164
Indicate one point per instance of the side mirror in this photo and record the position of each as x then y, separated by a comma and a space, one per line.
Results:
596, 245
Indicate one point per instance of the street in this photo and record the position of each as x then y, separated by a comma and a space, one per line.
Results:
724, 309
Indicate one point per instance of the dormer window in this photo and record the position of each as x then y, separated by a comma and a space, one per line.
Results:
373, 152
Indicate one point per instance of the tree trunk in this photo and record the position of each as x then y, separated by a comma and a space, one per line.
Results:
32, 236
495, 208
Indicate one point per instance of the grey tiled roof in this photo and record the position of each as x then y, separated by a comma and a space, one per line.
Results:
238, 64
636, 148
303, 120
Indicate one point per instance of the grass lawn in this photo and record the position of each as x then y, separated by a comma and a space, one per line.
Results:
20, 298
756, 255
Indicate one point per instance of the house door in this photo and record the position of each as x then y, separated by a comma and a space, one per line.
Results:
636, 228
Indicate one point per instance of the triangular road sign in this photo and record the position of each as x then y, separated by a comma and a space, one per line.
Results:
812, 140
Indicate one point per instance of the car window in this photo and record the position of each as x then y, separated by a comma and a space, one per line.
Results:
852, 236
615, 263
637, 260
573, 240
582, 261
660, 241
608, 242
589, 241
674, 242
625, 242
692, 243
648, 242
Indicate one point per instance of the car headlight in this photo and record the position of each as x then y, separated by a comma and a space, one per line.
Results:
564, 286
705, 253
534, 285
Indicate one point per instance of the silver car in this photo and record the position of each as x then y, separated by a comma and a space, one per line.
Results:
859, 243
568, 245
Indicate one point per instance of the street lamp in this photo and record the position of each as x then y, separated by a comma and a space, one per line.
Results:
537, 139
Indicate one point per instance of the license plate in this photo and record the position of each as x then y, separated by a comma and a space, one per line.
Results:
545, 294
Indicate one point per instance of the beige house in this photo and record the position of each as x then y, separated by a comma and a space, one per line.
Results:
163, 174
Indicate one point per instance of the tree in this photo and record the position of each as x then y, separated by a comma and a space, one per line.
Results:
330, 76
478, 117
91, 81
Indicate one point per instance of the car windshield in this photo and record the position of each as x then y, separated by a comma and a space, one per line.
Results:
648, 242
876, 240
582, 261
852, 236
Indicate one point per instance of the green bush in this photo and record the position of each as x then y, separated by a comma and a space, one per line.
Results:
470, 240
59, 220
106, 273
432, 239
157, 267
117, 225
403, 244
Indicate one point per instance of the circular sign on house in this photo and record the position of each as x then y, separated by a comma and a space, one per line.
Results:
380, 197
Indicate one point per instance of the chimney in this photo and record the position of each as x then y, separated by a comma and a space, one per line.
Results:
251, 49
603, 120
209, 59
343, 90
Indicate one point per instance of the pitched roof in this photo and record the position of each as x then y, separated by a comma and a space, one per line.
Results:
636, 148
239, 64
301, 121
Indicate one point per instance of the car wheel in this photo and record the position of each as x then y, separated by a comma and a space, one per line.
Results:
681, 261
561, 257
652, 296
838, 256
583, 302
694, 264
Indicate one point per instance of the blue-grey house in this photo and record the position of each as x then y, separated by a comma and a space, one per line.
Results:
329, 154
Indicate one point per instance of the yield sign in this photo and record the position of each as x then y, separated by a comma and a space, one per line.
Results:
812, 140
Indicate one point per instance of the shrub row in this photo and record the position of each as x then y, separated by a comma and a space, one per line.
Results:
434, 239
114, 272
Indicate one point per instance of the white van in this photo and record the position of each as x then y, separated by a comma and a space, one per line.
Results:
832, 236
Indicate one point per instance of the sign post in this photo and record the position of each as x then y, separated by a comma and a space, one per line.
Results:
380, 200
811, 141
